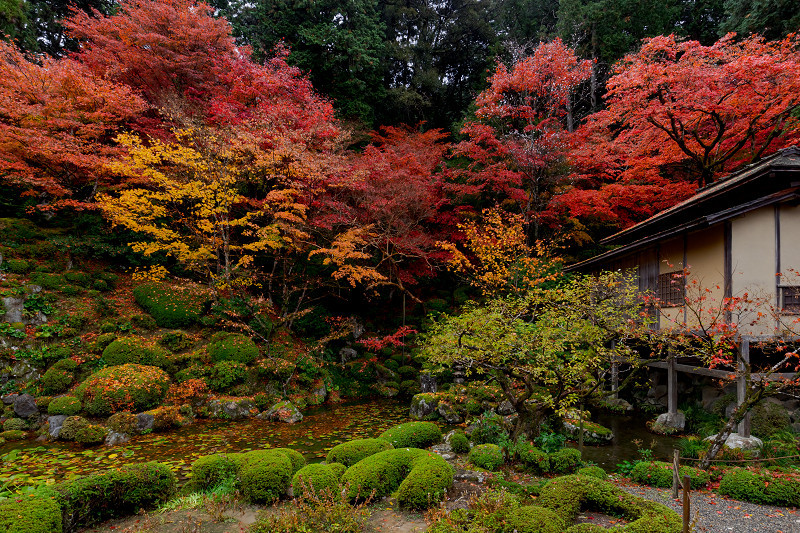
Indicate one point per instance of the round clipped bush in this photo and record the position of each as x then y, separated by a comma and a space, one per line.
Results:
421, 478
349, 453
123, 388
295, 457
59, 377
91, 434
131, 350
15, 424
71, 426
64, 405
264, 477
413, 435
39, 514
232, 347
566, 496
763, 487
488, 456
338, 468
659, 474
171, 307
534, 519
459, 442
593, 471
314, 478
212, 470
564, 461
534, 459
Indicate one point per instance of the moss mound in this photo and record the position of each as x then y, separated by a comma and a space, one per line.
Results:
71, 426
488, 456
459, 442
91, 434
212, 470
232, 347
64, 405
171, 307
265, 475
534, 519
413, 435
40, 514
59, 377
349, 453
314, 478
127, 387
131, 350
421, 478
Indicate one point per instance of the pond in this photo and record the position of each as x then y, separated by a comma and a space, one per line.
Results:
320, 430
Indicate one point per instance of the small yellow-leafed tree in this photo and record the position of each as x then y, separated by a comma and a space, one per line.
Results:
496, 257
190, 207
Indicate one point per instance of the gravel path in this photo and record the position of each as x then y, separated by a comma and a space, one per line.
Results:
718, 514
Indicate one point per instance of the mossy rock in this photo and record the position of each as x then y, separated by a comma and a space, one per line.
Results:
172, 307
127, 387
64, 405
488, 456
123, 422
15, 424
91, 434
13, 434
567, 496
132, 350
313, 479
17, 266
38, 514
349, 453
176, 341
71, 426
232, 347
421, 478
413, 435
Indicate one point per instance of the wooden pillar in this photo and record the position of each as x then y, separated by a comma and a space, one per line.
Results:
741, 388
672, 386
615, 380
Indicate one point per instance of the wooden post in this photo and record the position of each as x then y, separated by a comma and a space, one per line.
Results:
741, 388
580, 430
672, 386
686, 504
615, 380
676, 481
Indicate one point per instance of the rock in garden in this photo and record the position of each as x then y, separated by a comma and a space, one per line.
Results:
423, 405
113, 438
14, 308
427, 383
284, 412
54, 424
736, 441
449, 413
144, 422
505, 408
25, 406
619, 404
348, 354
8, 399
671, 421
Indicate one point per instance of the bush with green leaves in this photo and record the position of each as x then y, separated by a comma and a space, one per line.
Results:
64, 405
487, 513
533, 458
92, 499
765, 487
314, 478
40, 513
593, 471
127, 350
172, 307
265, 475
488, 456
459, 442
17, 266
91, 434
413, 435
490, 428
127, 387
349, 453
768, 418
213, 470
232, 347
659, 474
420, 478
564, 461
567, 496
59, 377
534, 519
226, 374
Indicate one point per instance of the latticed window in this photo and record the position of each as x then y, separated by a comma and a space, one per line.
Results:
671, 288
791, 299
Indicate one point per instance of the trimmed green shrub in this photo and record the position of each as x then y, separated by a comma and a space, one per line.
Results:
13, 434
265, 475
91, 434
407, 372
102, 342
71, 426
225, 374
338, 468
131, 350
176, 341
145, 322
459, 442
212, 470
171, 307
64, 405
78, 278
534, 459
568, 495
349, 453
488, 456
39, 514
593, 471
391, 364
101, 285
769, 418
564, 461
123, 388
534, 519
295, 457
91, 499
17, 266
413, 435
15, 424
771, 488
232, 347
659, 474
123, 422
314, 478
421, 478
